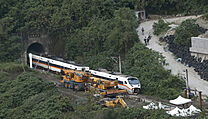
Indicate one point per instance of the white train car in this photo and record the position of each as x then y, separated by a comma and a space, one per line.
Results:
53, 65
131, 84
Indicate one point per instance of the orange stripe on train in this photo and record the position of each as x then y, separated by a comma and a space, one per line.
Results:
126, 86
47, 65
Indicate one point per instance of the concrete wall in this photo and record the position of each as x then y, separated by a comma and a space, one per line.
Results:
199, 47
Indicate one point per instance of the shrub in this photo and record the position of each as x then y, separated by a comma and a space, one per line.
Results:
3, 77
185, 31
160, 27
13, 67
28, 96
205, 16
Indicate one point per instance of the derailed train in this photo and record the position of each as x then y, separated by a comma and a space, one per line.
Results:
131, 84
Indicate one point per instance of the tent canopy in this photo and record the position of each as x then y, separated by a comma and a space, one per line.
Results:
180, 100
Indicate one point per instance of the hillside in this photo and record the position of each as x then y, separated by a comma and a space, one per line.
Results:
91, 33
25, 95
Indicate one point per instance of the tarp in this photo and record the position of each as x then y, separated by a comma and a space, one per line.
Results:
192, 110
175, 112
184, 112
152, 105
180, 100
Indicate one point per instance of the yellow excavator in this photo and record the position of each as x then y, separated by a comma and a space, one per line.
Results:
112, 102
74, 79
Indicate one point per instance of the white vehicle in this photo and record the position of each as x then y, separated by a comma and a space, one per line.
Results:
131, 84
52, 64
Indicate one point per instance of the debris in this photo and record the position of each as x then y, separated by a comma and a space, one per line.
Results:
152, 105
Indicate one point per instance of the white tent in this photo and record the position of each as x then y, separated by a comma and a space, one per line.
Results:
180, 100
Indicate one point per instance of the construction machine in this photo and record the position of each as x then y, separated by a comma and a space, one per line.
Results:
105, 87
74, 79
112, 102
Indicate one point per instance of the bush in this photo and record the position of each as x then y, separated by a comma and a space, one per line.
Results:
3, 77
160, 27
28, 96
13, 67
205, 16
185, 31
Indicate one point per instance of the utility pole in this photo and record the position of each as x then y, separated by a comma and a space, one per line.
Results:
119, 58
200, 99
187, 79
188, 89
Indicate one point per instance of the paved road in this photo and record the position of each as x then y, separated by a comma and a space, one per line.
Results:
176, 68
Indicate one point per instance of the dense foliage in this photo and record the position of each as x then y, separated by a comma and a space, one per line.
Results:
10, 47
103, 38
143, 63
94, 31
28, 96
185, 31
205, 16
160, 27
63, 19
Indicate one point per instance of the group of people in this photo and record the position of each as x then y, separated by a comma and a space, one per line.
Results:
146, 39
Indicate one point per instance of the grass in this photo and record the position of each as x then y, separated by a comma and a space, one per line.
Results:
13, 67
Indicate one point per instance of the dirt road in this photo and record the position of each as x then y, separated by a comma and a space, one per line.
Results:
176, 67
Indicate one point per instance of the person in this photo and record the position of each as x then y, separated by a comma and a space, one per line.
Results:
145, 41
148, 41
149, 38
163, 60
142, 31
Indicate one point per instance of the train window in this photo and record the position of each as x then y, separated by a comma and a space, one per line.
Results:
120, 82
125, 82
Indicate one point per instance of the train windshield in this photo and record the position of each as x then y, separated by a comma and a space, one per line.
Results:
133, 81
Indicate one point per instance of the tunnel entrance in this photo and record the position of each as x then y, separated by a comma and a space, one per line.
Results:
35, 48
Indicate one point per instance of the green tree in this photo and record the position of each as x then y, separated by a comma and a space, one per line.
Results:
160, 27
123, 34
185, 31
155, 80
10, 48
